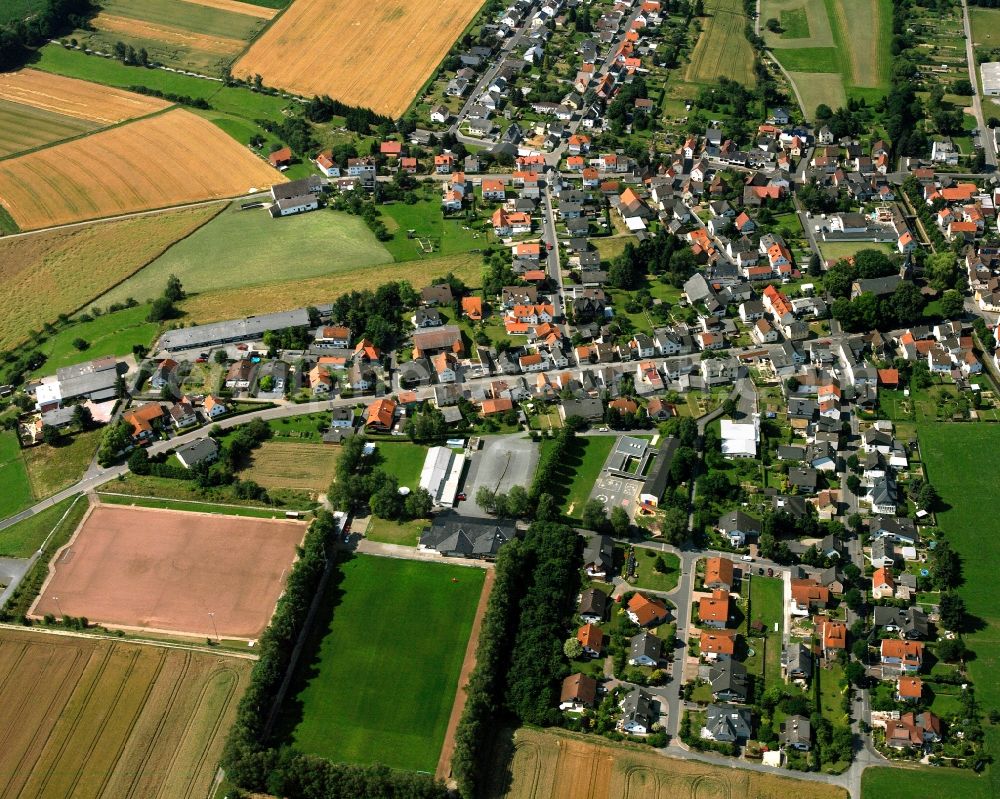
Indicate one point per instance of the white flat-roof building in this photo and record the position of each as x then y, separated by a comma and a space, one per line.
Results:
740, 439
442, 474
991, 78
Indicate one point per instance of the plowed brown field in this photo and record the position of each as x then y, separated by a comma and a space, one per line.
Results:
166, 160
86, 717
550, 765
371, 55
75, 98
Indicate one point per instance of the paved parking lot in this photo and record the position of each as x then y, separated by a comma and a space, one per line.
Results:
503, 462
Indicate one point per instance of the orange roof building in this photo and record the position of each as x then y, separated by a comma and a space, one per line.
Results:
142, 419
381, 413
646, 611
834, 636
472, 307
714, 610
908, 655
719, 573
591, 637
717, 643
494, 406
909, 689
810, 594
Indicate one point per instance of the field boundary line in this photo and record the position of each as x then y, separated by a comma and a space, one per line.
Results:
85, 134
443, 771
98, 636
198, 502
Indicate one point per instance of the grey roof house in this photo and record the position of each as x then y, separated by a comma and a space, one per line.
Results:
729, 680
727, 723
458, 536
644, 649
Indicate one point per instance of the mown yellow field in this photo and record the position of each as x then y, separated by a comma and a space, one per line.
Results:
157, 162
55, 272
89, 718
364, 54
76, 98
167, 34
553, 765
238, 6
290, 464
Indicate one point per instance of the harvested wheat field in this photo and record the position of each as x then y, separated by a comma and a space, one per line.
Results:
551, 765
89, 717
238, 7
157, 162
374, 56
57, 271
142, 29
289, 464
76, 98
165, 571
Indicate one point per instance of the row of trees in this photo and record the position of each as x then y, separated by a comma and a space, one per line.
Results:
378, 315
53, 18
360, 485
249, 759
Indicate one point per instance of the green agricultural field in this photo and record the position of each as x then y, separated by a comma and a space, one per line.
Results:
230, 99
959, 464
244, 248
580, 469
722, 49
21, 540
402, 460
895, 783
845, 54
16, 494
794, 24
377, 682
108, 334
24, 128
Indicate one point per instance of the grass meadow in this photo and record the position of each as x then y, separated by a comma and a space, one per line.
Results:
577, 473
108, 334
402, 460
246, 248
380, 671
405, 534
16, 494
56, 272
24, 538
51, 469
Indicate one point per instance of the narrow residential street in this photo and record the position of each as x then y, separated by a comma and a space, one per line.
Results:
986, 135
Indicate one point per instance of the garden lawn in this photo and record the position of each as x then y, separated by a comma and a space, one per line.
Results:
190, 507
402, 533
649, 577
379, 675
449, 235
767, 598
15, 487
581, 468
243, 248
402, 460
